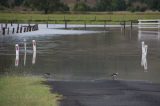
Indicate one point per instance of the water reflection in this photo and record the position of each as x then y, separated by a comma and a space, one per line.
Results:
25, 58
34, 52
144, 56
25, 51
34, 57
148, 35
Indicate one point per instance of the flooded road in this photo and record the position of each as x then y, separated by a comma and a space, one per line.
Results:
84, 55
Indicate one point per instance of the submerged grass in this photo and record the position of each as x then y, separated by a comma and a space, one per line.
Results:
26, 91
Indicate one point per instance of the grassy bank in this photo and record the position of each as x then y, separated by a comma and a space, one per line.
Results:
25, 91
117, 16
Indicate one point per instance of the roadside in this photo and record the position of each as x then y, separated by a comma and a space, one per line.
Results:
26, 91
107, 93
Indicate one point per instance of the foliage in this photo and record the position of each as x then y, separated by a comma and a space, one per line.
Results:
47, 5
101, 5
81, 6
111, 5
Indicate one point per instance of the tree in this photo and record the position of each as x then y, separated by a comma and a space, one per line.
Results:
155, 5
81, 6
111, 5
4, 3
104, 5
47, 5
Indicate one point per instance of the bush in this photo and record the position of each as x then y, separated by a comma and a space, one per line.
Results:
2, 8
81, 6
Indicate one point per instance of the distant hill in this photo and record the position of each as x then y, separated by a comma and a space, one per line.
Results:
81, 5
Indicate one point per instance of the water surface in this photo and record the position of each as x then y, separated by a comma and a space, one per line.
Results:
85, 56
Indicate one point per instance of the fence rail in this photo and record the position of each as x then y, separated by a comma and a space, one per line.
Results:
149, 24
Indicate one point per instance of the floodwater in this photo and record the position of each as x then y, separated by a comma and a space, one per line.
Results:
83, 55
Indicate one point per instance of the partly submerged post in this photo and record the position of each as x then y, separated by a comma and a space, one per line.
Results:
65, 21
158, 25
47, 24
24, 29
25, 45
25, 50
105, 25
124, 25
34, 52
3, 31
6, 25
21, 29
8, 31
13, 31
85, 27
131, 24
17, 29
11, 23
1, 26
17, 55
29, 27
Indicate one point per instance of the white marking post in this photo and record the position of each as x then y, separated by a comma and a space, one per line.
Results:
34, 52
25, 50
34, 45
25, 45
17, 55
34, 58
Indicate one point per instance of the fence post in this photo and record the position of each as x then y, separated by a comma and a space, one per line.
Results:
65, 24
21, 29
13, 31
158, 25
37, 27
29, 28
139, 24
131, 24
124, 25
104, 25
3, 30
8, 31
17, 29
85, 27
5, 25
1, 26
11, 23
47, 24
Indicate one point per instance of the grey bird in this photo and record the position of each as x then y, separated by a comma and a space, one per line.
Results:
47, 75
114, 75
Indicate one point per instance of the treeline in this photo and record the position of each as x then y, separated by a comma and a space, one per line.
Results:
101, 5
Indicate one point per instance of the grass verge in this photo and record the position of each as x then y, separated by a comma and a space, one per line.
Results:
26, 91
25, 17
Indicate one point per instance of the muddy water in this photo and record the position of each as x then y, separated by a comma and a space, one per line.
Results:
90, 56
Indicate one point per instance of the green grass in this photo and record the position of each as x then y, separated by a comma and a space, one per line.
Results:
115, 16
26, 91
